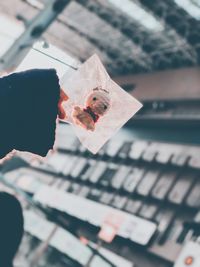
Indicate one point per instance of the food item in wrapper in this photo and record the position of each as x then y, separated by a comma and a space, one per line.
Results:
97, 104
97, 107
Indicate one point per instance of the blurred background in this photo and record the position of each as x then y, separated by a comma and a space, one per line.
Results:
137, 202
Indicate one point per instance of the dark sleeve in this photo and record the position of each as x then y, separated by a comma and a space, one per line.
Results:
28, 111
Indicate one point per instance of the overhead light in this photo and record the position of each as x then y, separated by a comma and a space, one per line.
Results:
138, 13
190, 6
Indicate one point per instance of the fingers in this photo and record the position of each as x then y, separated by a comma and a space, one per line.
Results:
77, 109
63, 96
61, 112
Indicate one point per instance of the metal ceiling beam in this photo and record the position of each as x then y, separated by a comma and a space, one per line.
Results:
147, 40
115, 54
91, 39
129, 29
177, 18
109, 52
118, 60
152, 44
137, 63
35, 28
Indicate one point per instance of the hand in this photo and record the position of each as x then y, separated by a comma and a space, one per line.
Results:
61, 112
83, 119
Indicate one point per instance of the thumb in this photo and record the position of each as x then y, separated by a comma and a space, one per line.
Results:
61, 111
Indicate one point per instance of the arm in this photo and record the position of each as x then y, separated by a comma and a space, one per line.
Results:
29, 104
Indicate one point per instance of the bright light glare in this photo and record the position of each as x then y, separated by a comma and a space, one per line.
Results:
138, 13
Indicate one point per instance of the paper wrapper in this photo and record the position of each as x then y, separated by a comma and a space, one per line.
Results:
79, 85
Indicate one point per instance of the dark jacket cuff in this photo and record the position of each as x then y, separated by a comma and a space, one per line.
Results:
32, 97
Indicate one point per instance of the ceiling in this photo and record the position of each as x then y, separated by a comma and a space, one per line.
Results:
131, 36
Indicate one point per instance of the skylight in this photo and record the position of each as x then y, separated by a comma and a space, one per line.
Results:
138, 13
10, 29
190, 6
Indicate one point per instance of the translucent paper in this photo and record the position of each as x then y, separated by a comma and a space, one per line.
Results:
97, 107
